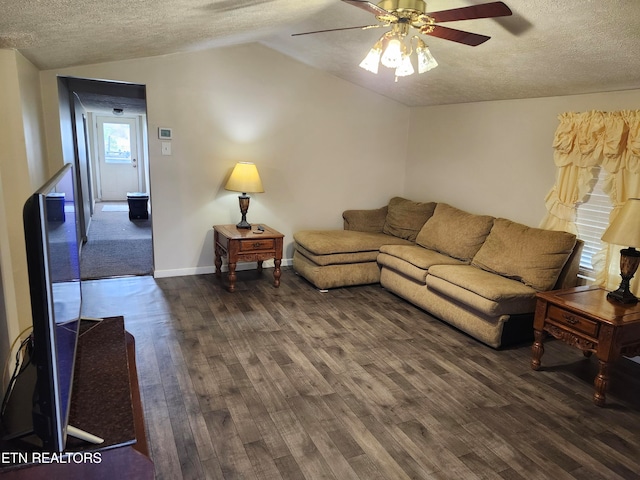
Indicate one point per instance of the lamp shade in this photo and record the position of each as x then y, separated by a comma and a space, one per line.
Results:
405, 68
392, 56
426, 61
372, 59
625, 229
244, 178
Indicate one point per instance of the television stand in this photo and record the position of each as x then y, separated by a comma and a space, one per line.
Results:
105, 401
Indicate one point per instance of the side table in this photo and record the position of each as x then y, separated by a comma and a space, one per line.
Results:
247, 245
583, 317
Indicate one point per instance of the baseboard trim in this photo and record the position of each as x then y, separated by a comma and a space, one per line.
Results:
182, 272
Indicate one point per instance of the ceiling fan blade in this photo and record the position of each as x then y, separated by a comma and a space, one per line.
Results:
460, 36
368, 6
227, 5
486, 10
335, 30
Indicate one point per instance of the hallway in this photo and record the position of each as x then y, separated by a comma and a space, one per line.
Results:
116, 246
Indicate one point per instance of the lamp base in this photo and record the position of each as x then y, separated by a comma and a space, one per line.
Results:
629, 261
244, 208
622, 296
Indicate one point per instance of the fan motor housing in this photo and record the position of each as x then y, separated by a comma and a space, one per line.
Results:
418, 6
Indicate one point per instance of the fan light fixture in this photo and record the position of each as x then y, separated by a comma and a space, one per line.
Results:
401, 15
393, 51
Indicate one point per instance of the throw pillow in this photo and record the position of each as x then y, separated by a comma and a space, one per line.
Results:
532, 255
455, 232
405, 218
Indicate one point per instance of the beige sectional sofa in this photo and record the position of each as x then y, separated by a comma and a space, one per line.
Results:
476, 272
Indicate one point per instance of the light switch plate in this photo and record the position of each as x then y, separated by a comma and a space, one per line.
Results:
166, 148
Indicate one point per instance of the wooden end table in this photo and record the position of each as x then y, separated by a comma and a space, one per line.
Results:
247, 245
583, 317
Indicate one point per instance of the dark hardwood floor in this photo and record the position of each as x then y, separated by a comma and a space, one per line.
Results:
292, 383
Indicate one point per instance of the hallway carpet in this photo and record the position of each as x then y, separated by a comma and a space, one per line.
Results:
116, 246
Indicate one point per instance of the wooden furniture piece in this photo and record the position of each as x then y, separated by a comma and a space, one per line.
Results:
105, 402
247, 245
584, 318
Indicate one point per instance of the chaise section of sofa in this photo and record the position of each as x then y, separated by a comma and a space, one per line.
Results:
339, 258
342, 258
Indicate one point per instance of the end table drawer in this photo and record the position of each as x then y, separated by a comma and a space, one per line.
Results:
253, 245
573, 320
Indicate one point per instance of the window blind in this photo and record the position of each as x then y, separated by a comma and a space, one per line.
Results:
592, 220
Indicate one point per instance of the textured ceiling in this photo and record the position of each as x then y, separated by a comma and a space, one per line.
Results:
547, 48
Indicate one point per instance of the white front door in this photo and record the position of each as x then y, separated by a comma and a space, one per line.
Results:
118, 157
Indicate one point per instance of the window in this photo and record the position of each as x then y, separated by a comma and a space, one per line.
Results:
592, 220
117, 143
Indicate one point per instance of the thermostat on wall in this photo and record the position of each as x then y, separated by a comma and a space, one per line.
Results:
164, 133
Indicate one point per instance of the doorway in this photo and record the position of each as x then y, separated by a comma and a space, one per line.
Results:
117, 166
112, 162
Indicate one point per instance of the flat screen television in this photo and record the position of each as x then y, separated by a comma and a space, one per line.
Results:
53, 259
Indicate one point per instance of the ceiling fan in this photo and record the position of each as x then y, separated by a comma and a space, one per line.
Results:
403, 15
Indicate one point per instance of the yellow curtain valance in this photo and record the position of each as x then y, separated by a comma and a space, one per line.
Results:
589, 139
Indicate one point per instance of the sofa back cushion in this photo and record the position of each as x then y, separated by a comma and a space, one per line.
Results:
405, 218
532, 255
454, 232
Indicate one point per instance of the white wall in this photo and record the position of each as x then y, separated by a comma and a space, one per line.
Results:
494, 158
22, 169
32, 121
321, 144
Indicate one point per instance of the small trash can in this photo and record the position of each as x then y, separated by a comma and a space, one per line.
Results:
55, 207
138, 205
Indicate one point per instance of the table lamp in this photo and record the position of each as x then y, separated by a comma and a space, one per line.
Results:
245, 179
625, 230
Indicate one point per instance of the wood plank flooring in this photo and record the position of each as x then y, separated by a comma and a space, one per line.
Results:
355, 383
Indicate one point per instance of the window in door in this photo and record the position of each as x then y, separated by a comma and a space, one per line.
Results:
117, 142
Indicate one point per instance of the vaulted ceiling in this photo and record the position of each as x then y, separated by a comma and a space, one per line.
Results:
546, 48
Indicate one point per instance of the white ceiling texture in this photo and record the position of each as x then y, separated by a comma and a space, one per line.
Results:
546, 48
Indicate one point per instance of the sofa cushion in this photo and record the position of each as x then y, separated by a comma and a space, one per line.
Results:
338, 258
454, 232
412, 260
371, 220
405, 218
531, 255
337, 275
484, 291
328, 242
